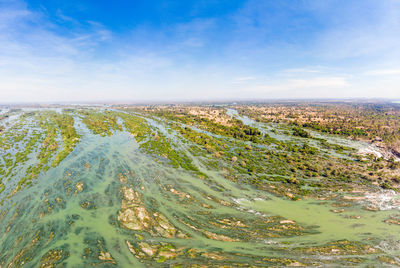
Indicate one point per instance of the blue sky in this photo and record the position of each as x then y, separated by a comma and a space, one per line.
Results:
98, 50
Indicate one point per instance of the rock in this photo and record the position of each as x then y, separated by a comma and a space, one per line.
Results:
287, 221
213, 256
122, 178
79, 187
106, 256
134, 218
146, 248
355, 198
129, 194
337, 210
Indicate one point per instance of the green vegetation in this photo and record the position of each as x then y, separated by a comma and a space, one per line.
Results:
299, 167
379, 122
69, 136
232, 127
297, 131
155, 143
222, 143
36, 133
101, 123
137, 126
229, 178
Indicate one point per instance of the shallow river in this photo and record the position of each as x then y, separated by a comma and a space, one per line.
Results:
75, 207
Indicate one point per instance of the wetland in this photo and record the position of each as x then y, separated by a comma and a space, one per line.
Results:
199, 186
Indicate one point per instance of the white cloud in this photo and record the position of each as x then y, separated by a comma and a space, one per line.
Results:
299, 84
320, 82
383, 72
302, 70
37, 63
243, 79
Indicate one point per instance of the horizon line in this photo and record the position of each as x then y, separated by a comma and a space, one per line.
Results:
196, 101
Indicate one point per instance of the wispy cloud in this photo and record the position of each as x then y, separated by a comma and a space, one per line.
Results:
315, 50
384, 72
302, 70
243, 79
296, 84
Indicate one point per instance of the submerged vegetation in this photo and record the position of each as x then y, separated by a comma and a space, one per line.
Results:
186, 185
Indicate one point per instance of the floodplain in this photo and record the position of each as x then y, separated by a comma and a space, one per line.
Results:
233, 185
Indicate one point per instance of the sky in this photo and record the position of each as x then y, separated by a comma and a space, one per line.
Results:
158, 50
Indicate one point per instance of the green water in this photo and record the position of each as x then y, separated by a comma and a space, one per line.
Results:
53, 206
